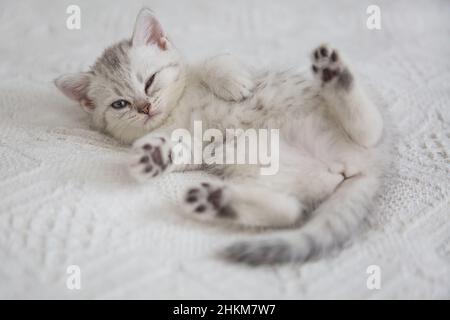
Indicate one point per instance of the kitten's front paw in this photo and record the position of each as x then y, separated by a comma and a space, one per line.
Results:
329, 68
152, 155
208, 201
229, 79
237, 86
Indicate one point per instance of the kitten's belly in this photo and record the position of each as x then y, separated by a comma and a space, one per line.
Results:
278, 99
284, 101
314, 150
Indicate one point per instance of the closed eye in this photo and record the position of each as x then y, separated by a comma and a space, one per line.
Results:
149, 82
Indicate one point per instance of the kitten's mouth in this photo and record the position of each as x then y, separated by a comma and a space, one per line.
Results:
150, 116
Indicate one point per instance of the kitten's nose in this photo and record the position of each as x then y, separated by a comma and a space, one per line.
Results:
143, 107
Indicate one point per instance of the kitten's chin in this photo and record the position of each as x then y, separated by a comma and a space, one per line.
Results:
152, 120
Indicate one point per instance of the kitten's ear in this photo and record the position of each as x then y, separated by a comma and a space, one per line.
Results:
75, 87
148, 30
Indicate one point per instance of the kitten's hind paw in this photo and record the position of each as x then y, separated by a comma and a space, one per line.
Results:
208, 201
152, 156
329, 68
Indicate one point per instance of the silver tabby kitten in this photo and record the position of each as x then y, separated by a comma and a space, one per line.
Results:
332, 148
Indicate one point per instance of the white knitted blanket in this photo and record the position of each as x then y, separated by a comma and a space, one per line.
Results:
66, 198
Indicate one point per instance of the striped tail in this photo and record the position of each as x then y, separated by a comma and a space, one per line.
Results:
330, 226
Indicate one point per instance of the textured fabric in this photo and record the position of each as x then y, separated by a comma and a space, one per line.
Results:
66, 197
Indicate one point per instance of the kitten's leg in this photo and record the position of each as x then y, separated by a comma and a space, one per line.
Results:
152, 155
330, 226
359, 117
241, 204
227, 78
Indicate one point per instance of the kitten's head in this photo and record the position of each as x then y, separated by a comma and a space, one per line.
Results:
132, 88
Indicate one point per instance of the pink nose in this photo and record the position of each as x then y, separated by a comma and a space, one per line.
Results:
144, 107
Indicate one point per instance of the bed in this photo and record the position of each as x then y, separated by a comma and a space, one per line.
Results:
67, 199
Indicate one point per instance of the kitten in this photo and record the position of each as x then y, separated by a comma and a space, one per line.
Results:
331, 149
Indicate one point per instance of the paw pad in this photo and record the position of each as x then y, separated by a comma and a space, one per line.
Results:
326, 64
151, 158
208, 200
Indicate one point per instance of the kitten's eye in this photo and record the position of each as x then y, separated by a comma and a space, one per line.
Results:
119, 104
149, 82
